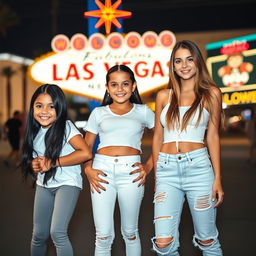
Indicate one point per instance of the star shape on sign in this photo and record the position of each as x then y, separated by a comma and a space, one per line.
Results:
108, 14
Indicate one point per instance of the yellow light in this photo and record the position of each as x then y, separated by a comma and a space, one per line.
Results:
108, 14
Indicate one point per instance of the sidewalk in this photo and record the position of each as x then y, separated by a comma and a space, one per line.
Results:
236, 217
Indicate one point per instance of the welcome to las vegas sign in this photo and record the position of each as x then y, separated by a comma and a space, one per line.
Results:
80, 64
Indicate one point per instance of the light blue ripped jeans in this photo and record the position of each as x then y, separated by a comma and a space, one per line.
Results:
129, 197
179, 175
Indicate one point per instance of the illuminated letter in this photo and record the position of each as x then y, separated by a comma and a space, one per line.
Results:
137, 71
157, 69
253, 96
97, 41
78, 42
115, 40
72, 72
167, 39
106, 66
91, 75
235, 98
133, 39
150, 39
60, 43
54, 73
226, 99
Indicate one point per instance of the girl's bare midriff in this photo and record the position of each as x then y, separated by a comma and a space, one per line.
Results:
184, 147
118, 151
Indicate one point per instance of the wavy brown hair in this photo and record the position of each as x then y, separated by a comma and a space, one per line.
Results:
203, 85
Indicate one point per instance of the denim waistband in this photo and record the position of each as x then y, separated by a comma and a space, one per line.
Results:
118, 159
181, 156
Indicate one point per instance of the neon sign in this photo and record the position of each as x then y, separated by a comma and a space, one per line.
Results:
108, 14
80, 64
232, 65
235, 98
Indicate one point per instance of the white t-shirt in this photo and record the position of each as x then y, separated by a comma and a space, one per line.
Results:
120, 130
65, 175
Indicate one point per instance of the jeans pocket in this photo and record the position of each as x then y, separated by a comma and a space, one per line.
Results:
160, 164
201, 162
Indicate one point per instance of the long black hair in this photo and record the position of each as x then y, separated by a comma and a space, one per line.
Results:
135, 97
54, 137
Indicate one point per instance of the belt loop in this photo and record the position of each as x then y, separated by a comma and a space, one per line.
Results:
188, 156
166, 158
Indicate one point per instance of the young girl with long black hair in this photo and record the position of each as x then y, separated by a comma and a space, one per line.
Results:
116, 171
52, 152
187, 113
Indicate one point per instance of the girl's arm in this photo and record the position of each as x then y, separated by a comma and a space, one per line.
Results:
93, 174
80, 155
213, 144
158, 132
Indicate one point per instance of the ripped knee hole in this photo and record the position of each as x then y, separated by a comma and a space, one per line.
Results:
104, 238
163, 242
205, 243
163, 218
160, 197
132, 238
202, 202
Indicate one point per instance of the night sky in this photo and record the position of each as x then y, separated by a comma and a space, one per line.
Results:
32, 36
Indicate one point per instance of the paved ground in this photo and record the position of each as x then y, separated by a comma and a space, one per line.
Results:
236, 217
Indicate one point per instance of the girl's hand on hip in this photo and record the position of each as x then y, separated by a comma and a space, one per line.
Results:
142, 171
94, 179
217, 192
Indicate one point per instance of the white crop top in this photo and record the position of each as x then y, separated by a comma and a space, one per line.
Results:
191, 133
120, 130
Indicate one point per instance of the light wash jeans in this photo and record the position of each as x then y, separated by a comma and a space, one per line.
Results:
191, 175
53, 209
129, 197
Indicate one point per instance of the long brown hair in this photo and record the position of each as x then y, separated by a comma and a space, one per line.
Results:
203, 84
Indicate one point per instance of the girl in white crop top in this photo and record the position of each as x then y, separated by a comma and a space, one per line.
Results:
116, 171
187, 114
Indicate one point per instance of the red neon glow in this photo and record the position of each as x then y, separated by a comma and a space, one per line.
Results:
234, 48
108, 14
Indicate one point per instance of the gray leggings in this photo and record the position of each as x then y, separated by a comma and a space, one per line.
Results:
53, 209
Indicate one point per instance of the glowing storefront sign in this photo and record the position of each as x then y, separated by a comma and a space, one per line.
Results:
79, 65
232, 64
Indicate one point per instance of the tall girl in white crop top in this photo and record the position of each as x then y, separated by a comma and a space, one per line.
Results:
187, 115
116, 171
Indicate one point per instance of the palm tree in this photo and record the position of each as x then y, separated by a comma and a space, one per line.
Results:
24, 86
8, 72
